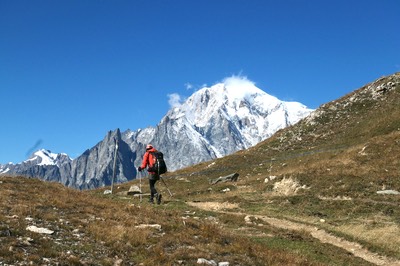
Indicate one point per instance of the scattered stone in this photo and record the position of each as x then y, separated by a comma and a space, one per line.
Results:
134, 190
118, 262
232, 177
206, 262
39, 230
155, 226
247, 219
26, 240
212, 219
288, 186
5, 232
107, 191
224, 263
183, 179
389, 191
226, 190
270, 178
362, 152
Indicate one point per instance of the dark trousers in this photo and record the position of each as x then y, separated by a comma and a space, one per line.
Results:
152, 182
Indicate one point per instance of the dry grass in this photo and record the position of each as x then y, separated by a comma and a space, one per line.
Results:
92, 229
382, 233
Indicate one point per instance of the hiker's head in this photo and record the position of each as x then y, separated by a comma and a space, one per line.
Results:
149, 147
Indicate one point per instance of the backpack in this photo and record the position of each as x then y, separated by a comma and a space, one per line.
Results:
159, 166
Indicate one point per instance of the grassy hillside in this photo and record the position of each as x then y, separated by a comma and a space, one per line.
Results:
93, 229
306, 196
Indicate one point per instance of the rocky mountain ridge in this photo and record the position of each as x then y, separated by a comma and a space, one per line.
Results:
212, 123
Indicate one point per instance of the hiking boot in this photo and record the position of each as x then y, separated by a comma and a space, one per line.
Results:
151, 200
159, 197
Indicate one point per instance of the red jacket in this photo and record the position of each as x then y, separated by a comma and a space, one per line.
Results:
148, 159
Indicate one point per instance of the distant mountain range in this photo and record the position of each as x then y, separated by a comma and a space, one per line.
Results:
213, 122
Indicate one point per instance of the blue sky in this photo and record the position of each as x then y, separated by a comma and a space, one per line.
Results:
71, 70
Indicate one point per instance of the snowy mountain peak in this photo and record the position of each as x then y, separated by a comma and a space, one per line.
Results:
226, 117
239, 88
46, 157
231, 90
253, 113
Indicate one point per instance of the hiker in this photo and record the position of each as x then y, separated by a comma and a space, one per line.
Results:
148, 161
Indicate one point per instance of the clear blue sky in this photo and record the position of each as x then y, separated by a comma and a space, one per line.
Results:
71, 70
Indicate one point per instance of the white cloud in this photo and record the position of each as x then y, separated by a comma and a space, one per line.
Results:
193, 87
239, 86
175, 100
188, 86
237, 81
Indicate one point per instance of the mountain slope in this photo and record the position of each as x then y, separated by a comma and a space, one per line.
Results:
357, 121
337, 169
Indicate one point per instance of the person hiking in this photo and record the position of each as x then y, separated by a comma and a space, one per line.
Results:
148, 161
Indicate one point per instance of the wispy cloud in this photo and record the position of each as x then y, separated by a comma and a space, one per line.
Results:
174, 100
189, 86
238, 80
193, 87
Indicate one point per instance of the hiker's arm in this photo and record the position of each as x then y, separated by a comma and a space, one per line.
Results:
145, 161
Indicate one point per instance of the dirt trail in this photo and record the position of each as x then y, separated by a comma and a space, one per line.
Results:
353, 247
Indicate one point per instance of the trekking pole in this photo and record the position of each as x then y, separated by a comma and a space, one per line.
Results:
140, 186
166, 186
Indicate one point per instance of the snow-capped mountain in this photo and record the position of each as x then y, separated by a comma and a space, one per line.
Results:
46, 157
43, 164
213, 122
219, 120
236, 107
